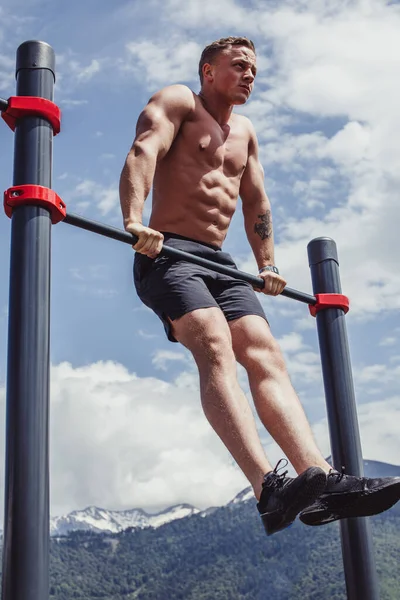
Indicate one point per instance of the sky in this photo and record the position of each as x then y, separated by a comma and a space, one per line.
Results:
127, 428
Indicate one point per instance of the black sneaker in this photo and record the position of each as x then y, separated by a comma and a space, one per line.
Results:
282, 498
348, 496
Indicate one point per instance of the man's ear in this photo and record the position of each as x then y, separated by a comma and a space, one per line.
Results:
208, 72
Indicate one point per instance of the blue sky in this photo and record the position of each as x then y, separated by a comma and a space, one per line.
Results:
126, 424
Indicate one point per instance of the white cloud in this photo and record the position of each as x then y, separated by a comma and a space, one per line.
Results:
7, 73
71, 69
86, 73
378, 424
146, 335
163, 64
91, 279
161, 358
121, 441
291, 342
355, 202
210, 14
388, 341
72, 103
379, 373
90, 272
102, 198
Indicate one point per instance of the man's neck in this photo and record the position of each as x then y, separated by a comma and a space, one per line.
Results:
220, 111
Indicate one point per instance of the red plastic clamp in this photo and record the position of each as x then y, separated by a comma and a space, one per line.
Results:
37, 195
24, 106
325, 301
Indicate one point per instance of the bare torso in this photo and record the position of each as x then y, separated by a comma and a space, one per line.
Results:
196, 184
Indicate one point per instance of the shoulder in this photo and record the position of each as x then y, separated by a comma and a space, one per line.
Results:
246, 127
174, 97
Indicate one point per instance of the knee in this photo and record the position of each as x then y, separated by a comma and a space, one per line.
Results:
262, 358
206, 334
213, 350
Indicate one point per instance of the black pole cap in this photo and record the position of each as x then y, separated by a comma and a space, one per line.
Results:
36, 55
320, 249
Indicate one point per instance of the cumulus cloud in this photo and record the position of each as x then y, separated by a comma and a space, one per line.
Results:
378, 431
104, 198
161, 358
209, 14
163, 64
120, 441
72, 70
321, 84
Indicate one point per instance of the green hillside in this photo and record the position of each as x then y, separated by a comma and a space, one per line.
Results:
225, 556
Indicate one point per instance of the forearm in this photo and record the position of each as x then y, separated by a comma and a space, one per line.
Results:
135, 183
258, 226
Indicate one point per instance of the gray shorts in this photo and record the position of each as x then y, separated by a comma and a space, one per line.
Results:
173, 287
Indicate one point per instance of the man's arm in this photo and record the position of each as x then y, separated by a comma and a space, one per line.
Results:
258, 218
156, 129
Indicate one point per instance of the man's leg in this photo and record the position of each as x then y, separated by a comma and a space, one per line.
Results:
275, 400
206, 334
344, 496
280, 499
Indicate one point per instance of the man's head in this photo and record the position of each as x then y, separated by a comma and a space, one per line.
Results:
229, 65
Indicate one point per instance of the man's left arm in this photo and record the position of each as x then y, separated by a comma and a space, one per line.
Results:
258, 218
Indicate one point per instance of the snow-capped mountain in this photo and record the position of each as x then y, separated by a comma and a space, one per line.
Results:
99, 519
243, 496
113, 521
102, 520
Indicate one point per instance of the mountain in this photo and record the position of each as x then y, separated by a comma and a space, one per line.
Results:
102, 520
226, 556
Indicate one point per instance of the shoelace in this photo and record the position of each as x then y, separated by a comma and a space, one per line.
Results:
362, 481
338, 474
278, 479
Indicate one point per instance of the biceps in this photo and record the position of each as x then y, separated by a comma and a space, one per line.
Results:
252, 182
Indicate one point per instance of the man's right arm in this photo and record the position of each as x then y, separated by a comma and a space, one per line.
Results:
156, 130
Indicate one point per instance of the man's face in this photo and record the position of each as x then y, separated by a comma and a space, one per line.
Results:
234, 72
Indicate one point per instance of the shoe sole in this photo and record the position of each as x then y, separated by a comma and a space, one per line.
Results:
278, 520
371, 504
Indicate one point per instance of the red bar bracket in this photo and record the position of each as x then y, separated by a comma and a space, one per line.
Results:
38, 196
325, 301
24, 106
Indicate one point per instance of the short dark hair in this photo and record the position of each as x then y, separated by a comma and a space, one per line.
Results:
211, 51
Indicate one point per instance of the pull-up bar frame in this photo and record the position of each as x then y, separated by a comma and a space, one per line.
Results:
26, 520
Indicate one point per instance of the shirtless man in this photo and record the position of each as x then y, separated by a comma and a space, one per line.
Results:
199, 157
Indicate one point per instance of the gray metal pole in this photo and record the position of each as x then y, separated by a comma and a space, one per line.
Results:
26, 522
357, 547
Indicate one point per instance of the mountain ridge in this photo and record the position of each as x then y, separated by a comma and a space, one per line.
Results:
101, 520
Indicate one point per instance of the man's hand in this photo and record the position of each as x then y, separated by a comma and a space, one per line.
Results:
273, 283
150, 241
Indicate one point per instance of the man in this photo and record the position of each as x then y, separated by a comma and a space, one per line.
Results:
199, 157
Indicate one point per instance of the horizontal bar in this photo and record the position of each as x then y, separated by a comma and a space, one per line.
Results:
3, 104
129, 238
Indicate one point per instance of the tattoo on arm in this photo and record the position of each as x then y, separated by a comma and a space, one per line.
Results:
264, 229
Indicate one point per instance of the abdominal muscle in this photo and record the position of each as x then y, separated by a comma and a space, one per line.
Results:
195, 189
202, 211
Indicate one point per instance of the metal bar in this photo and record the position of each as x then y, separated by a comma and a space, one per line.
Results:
128, 238
357, 547
3, 104
26, 521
